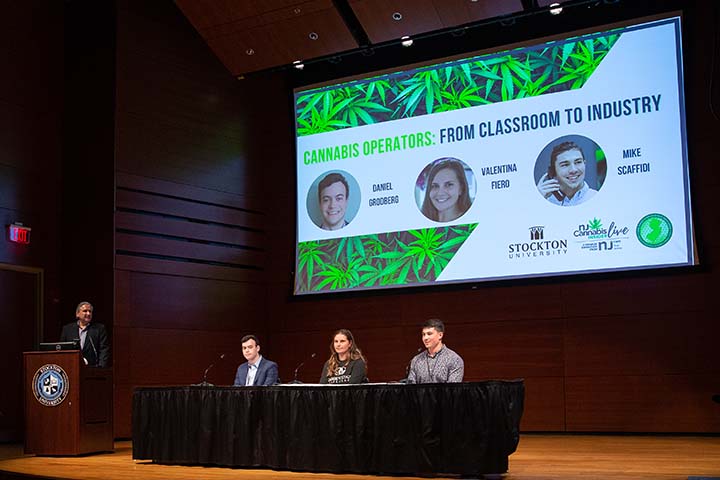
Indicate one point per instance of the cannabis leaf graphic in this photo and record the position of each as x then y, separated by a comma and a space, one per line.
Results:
595, 224
310, 256
394, 258
486, 79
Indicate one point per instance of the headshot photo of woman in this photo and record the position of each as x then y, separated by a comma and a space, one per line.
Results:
448, 194
346, 363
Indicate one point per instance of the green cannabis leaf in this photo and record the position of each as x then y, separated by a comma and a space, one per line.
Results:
395, 258
498, 77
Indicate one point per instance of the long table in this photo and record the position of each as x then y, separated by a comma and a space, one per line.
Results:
462, 428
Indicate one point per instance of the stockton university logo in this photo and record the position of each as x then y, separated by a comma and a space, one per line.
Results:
537, 246
50, 385
654, 230
536, 233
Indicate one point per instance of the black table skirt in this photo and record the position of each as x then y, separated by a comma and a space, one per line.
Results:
464, 428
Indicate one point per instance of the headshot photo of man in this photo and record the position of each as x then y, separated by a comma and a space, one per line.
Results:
564, 183
333, 193
333, 200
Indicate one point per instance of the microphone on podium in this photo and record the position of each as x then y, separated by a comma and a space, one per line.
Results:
295, 375
76, 344
92, 344
204, 382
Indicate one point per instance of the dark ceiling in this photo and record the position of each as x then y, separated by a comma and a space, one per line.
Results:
253, 35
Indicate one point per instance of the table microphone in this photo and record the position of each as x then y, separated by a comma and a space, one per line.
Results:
204, 382
407, 369
295, 379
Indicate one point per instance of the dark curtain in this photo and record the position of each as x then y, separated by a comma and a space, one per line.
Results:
467, 428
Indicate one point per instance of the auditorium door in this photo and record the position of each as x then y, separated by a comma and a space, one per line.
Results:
20, 322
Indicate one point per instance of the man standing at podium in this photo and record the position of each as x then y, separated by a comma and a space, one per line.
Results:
258, 370
92, 336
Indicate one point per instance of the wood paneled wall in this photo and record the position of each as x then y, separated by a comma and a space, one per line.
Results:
56, 151
31, 52
204, 239
31, 101
88, 136
190, 233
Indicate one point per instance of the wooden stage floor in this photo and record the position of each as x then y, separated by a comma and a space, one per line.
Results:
539, 456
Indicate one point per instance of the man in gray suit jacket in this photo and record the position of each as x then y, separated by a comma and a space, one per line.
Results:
257, 370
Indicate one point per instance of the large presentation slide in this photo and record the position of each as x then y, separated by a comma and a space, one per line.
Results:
557, 158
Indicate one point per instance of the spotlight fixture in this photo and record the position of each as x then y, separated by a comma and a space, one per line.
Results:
313, 36
397, 16
298, 64
406, 41
555, 9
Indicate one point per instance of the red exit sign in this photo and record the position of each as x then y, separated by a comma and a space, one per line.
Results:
19, 234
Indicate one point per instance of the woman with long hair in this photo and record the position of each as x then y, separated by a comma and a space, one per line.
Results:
446, 191
346, 363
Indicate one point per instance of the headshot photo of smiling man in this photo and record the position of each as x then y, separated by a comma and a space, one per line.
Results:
333, 200
333, 193
570, 172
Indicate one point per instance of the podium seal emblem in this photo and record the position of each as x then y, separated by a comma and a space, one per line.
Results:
50, 385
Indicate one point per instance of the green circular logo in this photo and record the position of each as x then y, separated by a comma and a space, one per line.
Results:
654, 230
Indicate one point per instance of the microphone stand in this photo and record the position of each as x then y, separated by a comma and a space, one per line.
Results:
76, 344
407, 369
92, 344
295, 375
204, 382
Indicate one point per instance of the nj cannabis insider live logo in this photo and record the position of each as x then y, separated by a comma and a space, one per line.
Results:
597, 235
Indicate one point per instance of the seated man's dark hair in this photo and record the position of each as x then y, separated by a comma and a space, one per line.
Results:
435, 323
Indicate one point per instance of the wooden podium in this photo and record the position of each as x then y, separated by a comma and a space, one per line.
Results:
68, 406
